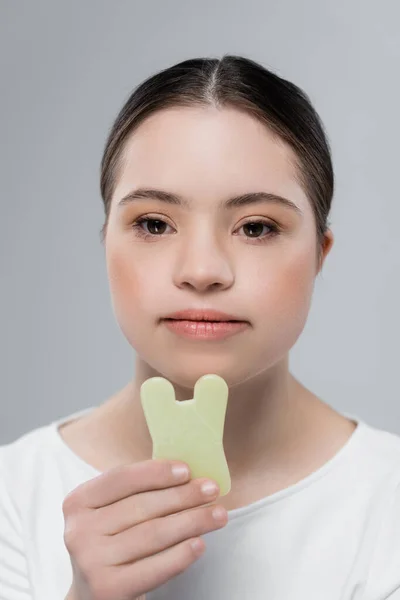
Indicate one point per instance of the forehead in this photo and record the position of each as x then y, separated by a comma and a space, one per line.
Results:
209, 152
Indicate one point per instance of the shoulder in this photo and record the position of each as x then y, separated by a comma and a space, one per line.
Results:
384, 568
18, 470
20, 458
28, 465
37, 465
381, 467
378, 452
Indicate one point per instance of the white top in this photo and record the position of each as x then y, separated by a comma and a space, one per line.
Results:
334, 535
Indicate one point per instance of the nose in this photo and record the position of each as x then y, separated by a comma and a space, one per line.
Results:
203, 263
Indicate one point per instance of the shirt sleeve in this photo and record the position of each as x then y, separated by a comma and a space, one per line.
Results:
383, 580
14, 581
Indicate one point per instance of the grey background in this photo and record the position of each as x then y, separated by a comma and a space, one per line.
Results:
67, 67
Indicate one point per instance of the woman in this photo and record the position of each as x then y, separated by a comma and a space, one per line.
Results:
217, 183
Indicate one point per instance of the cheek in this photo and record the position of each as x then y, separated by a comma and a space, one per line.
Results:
280, 301
127, 288
137, 289
283, 288
122, 277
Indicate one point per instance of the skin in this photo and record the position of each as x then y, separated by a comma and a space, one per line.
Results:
276, 431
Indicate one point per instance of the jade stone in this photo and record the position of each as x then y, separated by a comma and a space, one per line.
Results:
189, 430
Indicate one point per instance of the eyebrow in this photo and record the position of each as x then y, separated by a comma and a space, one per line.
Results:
235, 202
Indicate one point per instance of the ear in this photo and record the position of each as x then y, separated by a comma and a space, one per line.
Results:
326, 248
211, 399
157, 395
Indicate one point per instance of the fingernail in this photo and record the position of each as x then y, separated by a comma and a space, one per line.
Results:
180, 472
219, 513
209, 488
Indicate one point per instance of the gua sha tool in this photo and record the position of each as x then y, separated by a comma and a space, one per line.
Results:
189, 430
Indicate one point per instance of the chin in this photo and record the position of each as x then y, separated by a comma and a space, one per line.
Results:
185, 373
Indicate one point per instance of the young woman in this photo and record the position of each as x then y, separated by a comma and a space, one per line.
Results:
217, 183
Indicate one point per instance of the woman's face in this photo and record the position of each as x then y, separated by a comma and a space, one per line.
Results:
207, 255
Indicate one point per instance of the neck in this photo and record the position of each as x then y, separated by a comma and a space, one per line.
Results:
264, 419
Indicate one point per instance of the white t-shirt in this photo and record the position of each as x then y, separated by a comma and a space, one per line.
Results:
334, 535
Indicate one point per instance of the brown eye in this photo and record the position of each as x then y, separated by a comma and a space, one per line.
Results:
157, 228
254, 229
155, 225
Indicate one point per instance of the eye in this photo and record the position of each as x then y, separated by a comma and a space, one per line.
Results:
255, 228
156, 228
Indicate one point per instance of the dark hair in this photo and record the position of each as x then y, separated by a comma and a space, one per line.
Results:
239, 82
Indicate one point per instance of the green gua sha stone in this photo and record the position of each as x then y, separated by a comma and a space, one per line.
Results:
189, 430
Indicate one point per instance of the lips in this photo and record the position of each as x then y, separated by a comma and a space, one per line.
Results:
205, 330
199, 315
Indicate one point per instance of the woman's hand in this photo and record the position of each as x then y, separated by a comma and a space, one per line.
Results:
134, 527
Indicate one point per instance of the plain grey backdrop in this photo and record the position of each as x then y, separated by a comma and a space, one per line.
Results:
66, 68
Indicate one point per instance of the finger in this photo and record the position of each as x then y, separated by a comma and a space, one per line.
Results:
130, 511
152, 537
123, 481
149, 573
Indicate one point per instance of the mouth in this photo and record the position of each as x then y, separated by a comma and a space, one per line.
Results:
205, 320
205, 330
205, 315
